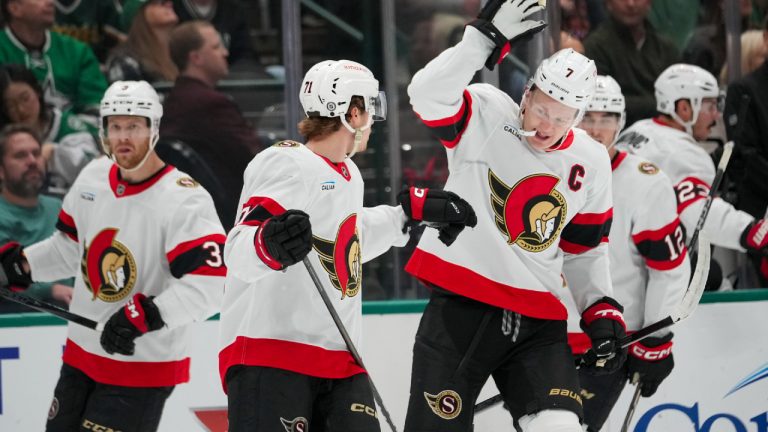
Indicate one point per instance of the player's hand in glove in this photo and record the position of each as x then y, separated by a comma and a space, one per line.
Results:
440, 209
138, 316
284, 240
503, 22
604, 324
755, 238
649, 362
14, 266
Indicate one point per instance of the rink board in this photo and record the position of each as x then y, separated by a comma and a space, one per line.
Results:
720, 383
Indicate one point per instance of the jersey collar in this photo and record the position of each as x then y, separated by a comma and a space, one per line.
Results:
122, 188
618, 158
340, 167
564, 143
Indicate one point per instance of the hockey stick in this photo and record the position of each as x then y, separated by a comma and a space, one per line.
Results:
347, 339
45, 307
721, 166
684, 309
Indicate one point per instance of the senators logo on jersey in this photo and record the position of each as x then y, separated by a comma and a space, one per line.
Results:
531, 213
108, 267
299, 424
341, 257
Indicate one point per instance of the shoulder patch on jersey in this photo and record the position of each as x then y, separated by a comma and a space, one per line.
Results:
648, 168
287, 143
187, 182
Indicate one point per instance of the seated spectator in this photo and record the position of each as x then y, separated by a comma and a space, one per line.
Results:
753, 53
93, 22
706, 46
626, 47
69, 142
227, 16
26, 216
208, 120
66, 68
144, 56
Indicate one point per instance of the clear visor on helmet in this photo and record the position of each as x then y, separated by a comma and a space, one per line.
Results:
377, 107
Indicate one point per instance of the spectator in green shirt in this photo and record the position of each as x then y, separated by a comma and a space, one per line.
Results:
26, 216
66, 68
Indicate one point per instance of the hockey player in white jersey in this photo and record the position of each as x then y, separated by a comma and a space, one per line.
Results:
687, 97
542, 190
145, 246
283, 362
649, 263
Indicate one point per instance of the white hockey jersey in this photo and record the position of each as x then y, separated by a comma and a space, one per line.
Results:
537, 211
160, 237
277, 318
692, 171
649, 260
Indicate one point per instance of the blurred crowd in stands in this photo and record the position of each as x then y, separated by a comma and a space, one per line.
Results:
58, 56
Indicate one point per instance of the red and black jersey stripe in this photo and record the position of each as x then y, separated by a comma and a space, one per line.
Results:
449, 130
259, 209
664, 248
586, 231
689, 191
202, 256
66, 224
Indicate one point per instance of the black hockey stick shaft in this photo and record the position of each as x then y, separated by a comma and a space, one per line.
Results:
631, 410
721, 166
347, 339
49, 308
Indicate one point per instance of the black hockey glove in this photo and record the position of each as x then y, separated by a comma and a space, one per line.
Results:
604, 324
138, 316
284, 240
440, 209
503, 22
12, 261
649, 362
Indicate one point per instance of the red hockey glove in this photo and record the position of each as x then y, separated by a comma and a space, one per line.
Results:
138, 316
284, 240
755, 237
604, 324
440, 209
12, 261
650, 361
503, 22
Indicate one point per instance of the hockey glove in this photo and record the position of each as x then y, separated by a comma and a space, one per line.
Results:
503, 22
604, 325
440, 209
284, 240
12, 261
755, 237
138, 316
649, 362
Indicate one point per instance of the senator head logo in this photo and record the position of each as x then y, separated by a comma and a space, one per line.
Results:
529, 214
446, 404
341, 258
299, 424
108, 267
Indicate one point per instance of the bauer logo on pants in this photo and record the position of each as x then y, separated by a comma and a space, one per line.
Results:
299, 424
446, 404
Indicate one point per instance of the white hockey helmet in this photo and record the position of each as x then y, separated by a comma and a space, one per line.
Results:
684, 81
131, 98
567, 77
608, 98
328, 87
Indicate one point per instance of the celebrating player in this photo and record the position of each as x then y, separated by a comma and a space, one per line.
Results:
687, 97
145, 244
543, 194
649, 263
283, 362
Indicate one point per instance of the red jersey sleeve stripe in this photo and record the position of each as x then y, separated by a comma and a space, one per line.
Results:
667, 264
593, 218
450, 129
664, 248
658, 234
690, 190
258, 209
586, 231
66, 224
201, 256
